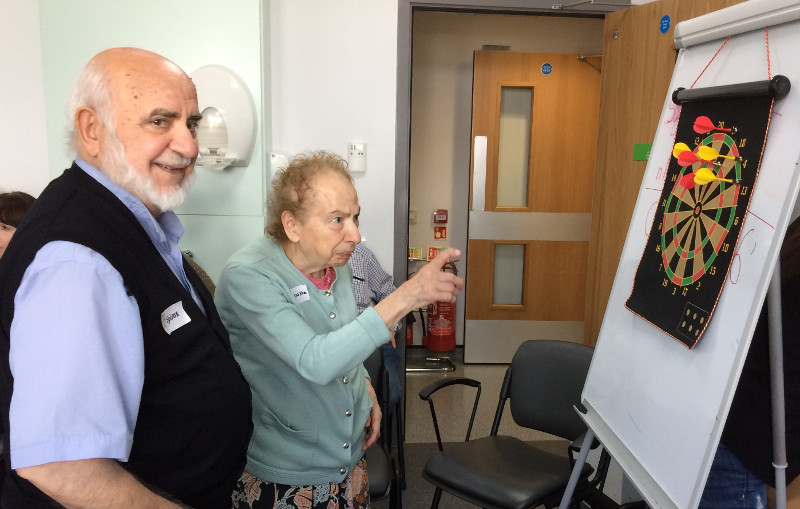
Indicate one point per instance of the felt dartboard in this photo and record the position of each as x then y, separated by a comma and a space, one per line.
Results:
711, 175
697, 218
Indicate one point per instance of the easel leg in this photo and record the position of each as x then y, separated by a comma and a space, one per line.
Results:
776, 380
576, 470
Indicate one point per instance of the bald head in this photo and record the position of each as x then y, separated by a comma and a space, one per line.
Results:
135, 59
133, 72
133, 107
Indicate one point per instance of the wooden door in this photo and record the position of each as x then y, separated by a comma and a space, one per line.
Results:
534, 128
638, 62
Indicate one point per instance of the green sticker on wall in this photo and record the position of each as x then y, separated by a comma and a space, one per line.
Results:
641, 151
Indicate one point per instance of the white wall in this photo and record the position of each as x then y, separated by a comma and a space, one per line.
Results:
22, 125
334, 72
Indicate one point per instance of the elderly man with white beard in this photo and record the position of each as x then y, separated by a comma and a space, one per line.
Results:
120, 389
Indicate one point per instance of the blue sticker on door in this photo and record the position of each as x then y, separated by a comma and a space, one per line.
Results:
665, 23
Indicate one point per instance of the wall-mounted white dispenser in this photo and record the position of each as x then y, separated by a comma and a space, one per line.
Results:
227, 133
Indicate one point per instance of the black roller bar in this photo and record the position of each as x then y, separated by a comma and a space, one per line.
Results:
778, 87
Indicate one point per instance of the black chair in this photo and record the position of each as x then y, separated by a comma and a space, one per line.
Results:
385, 470
544, 383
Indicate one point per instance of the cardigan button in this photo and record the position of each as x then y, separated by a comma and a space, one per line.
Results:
345, 380
332, 315
345, 445
342, 471
348, 413
327, 293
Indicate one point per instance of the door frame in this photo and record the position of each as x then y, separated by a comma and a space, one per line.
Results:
405, 11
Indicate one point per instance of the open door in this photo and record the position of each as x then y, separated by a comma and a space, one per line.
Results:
534, 130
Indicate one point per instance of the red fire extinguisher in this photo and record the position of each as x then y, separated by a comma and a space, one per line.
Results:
410, 328
441, 333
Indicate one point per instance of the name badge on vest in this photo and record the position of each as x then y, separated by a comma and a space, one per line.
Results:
174, 317
300, 293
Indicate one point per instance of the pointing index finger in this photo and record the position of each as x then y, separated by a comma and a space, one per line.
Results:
444, 257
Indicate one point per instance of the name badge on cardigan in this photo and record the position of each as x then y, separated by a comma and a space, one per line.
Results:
300, 293
174, 317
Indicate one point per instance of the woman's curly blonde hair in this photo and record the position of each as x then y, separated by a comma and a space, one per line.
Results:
290, 186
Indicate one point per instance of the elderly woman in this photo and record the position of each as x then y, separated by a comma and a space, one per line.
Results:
13, 206
288, 303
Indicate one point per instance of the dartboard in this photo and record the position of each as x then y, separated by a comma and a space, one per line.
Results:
697, 220
712, 171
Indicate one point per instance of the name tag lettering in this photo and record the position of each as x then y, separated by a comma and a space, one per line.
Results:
300, 294
174, 317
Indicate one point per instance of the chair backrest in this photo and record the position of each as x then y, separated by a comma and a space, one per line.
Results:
384, 472
204, 277
374, 365
378, 379
547, 379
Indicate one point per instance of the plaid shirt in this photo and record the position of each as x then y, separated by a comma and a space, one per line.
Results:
371, 284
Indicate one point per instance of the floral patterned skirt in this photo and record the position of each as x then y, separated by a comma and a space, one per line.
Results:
352, 493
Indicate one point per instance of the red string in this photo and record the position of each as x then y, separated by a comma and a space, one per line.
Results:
769, 63
769, 69
712, 59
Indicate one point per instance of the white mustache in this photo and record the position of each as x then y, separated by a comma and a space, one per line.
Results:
173, 160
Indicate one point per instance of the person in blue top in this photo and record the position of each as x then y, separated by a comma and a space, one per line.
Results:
287, 301
119, 387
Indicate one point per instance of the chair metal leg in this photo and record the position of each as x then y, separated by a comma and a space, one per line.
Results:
401, 439
395, 493
437, 495
396, 497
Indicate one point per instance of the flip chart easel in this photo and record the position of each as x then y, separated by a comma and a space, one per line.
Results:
657, 407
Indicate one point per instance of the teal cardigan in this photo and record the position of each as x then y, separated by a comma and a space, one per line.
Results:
301, 349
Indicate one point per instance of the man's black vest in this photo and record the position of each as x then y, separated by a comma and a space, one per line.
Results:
194, 420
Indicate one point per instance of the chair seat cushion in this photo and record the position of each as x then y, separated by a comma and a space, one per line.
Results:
499, 471
379, 472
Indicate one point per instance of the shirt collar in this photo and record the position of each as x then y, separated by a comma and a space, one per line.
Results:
171, 225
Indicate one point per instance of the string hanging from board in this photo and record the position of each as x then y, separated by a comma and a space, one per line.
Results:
709, 62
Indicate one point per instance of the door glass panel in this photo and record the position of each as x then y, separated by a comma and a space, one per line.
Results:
509, 265
514, 146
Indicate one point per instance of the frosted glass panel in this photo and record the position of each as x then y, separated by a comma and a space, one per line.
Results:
509, 265
514, 146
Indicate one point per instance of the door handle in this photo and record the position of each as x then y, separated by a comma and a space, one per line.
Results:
479, 173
